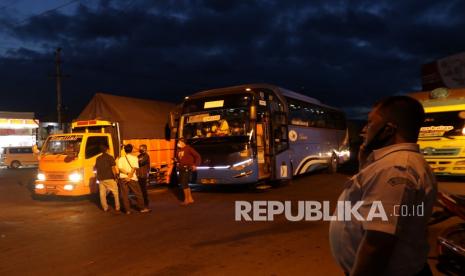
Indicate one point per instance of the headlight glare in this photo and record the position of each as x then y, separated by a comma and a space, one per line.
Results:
75, 177
241, 165
41, 176
68, 187
40, 186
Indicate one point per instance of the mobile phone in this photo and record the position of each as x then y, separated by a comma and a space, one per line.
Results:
372, 144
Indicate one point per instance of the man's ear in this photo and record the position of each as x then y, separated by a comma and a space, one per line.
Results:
390, 129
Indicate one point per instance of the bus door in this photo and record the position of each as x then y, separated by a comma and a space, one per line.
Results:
263, 144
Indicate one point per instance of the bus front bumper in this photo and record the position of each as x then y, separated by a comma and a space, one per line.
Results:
227, 176
447, 166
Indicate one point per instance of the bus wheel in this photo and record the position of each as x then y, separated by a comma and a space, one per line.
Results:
15, 164
333, 164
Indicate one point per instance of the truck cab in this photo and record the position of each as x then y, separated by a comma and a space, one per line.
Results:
66, 161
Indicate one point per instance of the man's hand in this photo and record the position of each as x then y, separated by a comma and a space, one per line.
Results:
194, 168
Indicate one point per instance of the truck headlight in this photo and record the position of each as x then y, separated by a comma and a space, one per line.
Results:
41, 177
40, 186
75, 177
68, 187
241, 165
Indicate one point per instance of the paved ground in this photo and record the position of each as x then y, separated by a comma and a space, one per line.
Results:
58, 237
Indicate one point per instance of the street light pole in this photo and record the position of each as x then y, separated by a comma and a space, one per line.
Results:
58, 86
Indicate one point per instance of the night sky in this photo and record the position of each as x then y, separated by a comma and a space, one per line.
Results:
346, 53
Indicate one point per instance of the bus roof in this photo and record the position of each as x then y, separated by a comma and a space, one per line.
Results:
441, 99
280, 92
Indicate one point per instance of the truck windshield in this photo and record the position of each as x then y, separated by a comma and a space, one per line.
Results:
231, 122
69, 145
439, 124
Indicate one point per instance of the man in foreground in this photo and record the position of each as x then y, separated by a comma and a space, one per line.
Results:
394, 173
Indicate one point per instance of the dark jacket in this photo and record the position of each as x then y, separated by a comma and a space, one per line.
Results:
187, 156
144, 165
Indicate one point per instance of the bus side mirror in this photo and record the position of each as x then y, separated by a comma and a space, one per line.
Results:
172, 120
167, 132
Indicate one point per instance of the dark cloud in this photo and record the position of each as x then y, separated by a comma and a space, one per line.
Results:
346, 53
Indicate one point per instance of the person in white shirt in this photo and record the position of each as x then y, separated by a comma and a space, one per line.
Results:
128, 165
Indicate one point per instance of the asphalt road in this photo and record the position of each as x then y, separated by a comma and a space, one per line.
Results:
74, 237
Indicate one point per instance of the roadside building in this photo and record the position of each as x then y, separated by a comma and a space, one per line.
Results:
18, 129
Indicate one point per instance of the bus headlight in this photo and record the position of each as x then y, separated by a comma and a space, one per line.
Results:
68, 187
40, 186
241, 165
75, 177
41, 177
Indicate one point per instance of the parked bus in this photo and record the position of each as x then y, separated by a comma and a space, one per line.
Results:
251, 133
442, 137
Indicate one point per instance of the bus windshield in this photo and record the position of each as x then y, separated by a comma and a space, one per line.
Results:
231, 122
68, 145
444, 124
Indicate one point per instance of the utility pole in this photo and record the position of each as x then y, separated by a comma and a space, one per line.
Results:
58, 76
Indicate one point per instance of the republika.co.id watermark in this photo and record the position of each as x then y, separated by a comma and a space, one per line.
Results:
316, 211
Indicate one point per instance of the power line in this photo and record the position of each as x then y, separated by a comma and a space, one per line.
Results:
47, 11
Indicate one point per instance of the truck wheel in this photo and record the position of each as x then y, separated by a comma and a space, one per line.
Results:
333, 164
15, 164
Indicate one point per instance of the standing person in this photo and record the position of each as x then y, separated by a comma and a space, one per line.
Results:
106, 176
127, 166
188, 160
393, 173
143, 172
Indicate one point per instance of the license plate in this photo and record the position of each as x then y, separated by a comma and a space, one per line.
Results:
51, 187
208, 181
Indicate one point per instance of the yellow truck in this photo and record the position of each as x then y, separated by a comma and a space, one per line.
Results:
66, 161
442, 136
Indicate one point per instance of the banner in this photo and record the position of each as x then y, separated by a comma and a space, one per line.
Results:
446, 72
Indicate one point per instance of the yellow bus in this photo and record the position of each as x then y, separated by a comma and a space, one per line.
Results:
442, 137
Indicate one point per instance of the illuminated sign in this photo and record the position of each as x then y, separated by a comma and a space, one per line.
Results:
213, 104
201, 118
86, 123
66, 138
18, 123
432, 131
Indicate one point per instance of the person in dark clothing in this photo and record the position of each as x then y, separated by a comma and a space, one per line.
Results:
107, 171
143, 172
188, 160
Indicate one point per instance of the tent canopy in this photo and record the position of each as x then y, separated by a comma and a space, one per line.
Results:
138, 118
